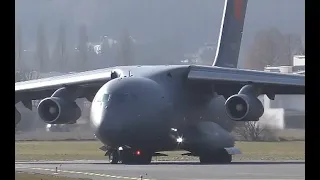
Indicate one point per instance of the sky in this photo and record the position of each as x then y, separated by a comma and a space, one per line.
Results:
194, 22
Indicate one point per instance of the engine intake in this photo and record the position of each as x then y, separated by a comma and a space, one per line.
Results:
244, 107
55, 110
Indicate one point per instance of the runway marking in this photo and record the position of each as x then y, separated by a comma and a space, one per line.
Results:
87, 173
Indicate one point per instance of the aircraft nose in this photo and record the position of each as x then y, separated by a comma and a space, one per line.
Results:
124, 122
112, 126
132, 108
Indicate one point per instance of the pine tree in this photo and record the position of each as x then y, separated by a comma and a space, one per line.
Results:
18, 47
42, 52
82, 53
60, 52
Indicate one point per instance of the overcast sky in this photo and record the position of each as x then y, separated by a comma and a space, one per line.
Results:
194, 21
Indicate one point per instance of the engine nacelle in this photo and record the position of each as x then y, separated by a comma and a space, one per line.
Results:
56, 110
243, 107
17, 116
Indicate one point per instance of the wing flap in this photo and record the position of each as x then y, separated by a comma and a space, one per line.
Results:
276, 83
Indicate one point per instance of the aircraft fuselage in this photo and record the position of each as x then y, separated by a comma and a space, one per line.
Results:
139, 109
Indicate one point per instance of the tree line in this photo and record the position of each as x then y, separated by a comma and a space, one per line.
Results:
270, 47
65, 58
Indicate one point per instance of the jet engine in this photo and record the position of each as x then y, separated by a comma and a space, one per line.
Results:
244, 106
60, 108
55, 110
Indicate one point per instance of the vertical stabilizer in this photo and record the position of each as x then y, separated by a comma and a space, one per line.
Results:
229, 42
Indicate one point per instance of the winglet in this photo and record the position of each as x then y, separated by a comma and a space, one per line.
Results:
229, 42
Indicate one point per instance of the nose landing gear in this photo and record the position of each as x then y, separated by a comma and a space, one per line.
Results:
114, 157
129, 156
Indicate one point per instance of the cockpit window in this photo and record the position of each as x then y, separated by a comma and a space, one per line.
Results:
106, 98
117, 97
103, 98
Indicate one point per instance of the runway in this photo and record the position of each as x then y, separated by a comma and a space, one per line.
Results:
262, 170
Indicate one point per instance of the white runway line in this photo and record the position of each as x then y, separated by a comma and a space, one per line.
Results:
136, 178
88, 173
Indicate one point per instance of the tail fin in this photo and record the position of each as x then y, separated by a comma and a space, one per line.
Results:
228, 47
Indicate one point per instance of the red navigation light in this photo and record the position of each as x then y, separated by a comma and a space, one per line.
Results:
138, 152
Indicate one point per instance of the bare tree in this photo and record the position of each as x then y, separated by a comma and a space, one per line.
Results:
60, 52
250, 130
265, 49
25, 75
42, 51
18, 47
125, 51
272, 48
303, 43
81, 53
255, 131
293, 46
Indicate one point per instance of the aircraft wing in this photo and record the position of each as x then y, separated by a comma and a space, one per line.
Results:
228, 81
41, 88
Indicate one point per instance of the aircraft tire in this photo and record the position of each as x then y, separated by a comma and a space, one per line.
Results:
216, 158
129, 158
146, 159
114, 157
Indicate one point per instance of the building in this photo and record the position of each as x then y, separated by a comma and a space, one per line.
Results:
286, 111
297, 68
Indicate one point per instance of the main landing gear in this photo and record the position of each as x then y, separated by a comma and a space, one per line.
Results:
129, 156
220, 157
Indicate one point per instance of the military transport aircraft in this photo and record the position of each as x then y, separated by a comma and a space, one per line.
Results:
138, 111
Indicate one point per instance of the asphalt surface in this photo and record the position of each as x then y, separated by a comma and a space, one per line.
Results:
262, 170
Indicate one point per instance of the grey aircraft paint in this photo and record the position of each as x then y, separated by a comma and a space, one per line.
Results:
152, 108
229, 42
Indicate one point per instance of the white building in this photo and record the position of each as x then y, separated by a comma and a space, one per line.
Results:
286, 111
